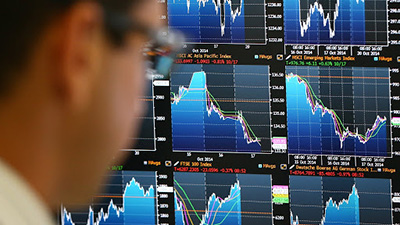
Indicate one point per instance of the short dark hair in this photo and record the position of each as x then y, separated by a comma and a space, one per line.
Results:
22, 23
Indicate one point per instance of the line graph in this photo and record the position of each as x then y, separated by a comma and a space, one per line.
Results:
340, 129
221, 109
340, 111
129, 198
219, 21
208, 199
333, 200
198, 87
328, 13
348, 22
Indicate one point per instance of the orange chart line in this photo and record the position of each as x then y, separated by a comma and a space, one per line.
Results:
146, 100
119, 196
225, 100
374, 78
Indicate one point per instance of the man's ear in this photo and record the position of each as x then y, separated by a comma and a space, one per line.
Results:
78, 46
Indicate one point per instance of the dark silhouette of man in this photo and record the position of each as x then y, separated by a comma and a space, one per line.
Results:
71, 73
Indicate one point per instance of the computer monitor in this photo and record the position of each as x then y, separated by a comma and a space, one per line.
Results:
276, 112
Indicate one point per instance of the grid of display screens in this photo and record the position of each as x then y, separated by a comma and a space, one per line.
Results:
276, 112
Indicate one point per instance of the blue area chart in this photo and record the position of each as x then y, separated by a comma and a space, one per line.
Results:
347, 22
199, 124
208, 20
219, 210
314, 128
338, 23
340, 200
138, 208
345, 212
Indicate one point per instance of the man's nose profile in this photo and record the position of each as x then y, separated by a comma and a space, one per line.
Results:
71, 85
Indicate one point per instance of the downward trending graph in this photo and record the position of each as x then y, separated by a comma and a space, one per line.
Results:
333, 200
219, 21
347, 22
338, 111
129, 198
220, 108
218, 199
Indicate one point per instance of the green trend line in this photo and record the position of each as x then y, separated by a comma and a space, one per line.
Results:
234, 114
314, 100
195, 211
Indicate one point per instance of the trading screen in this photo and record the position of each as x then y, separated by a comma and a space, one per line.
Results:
275, 112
